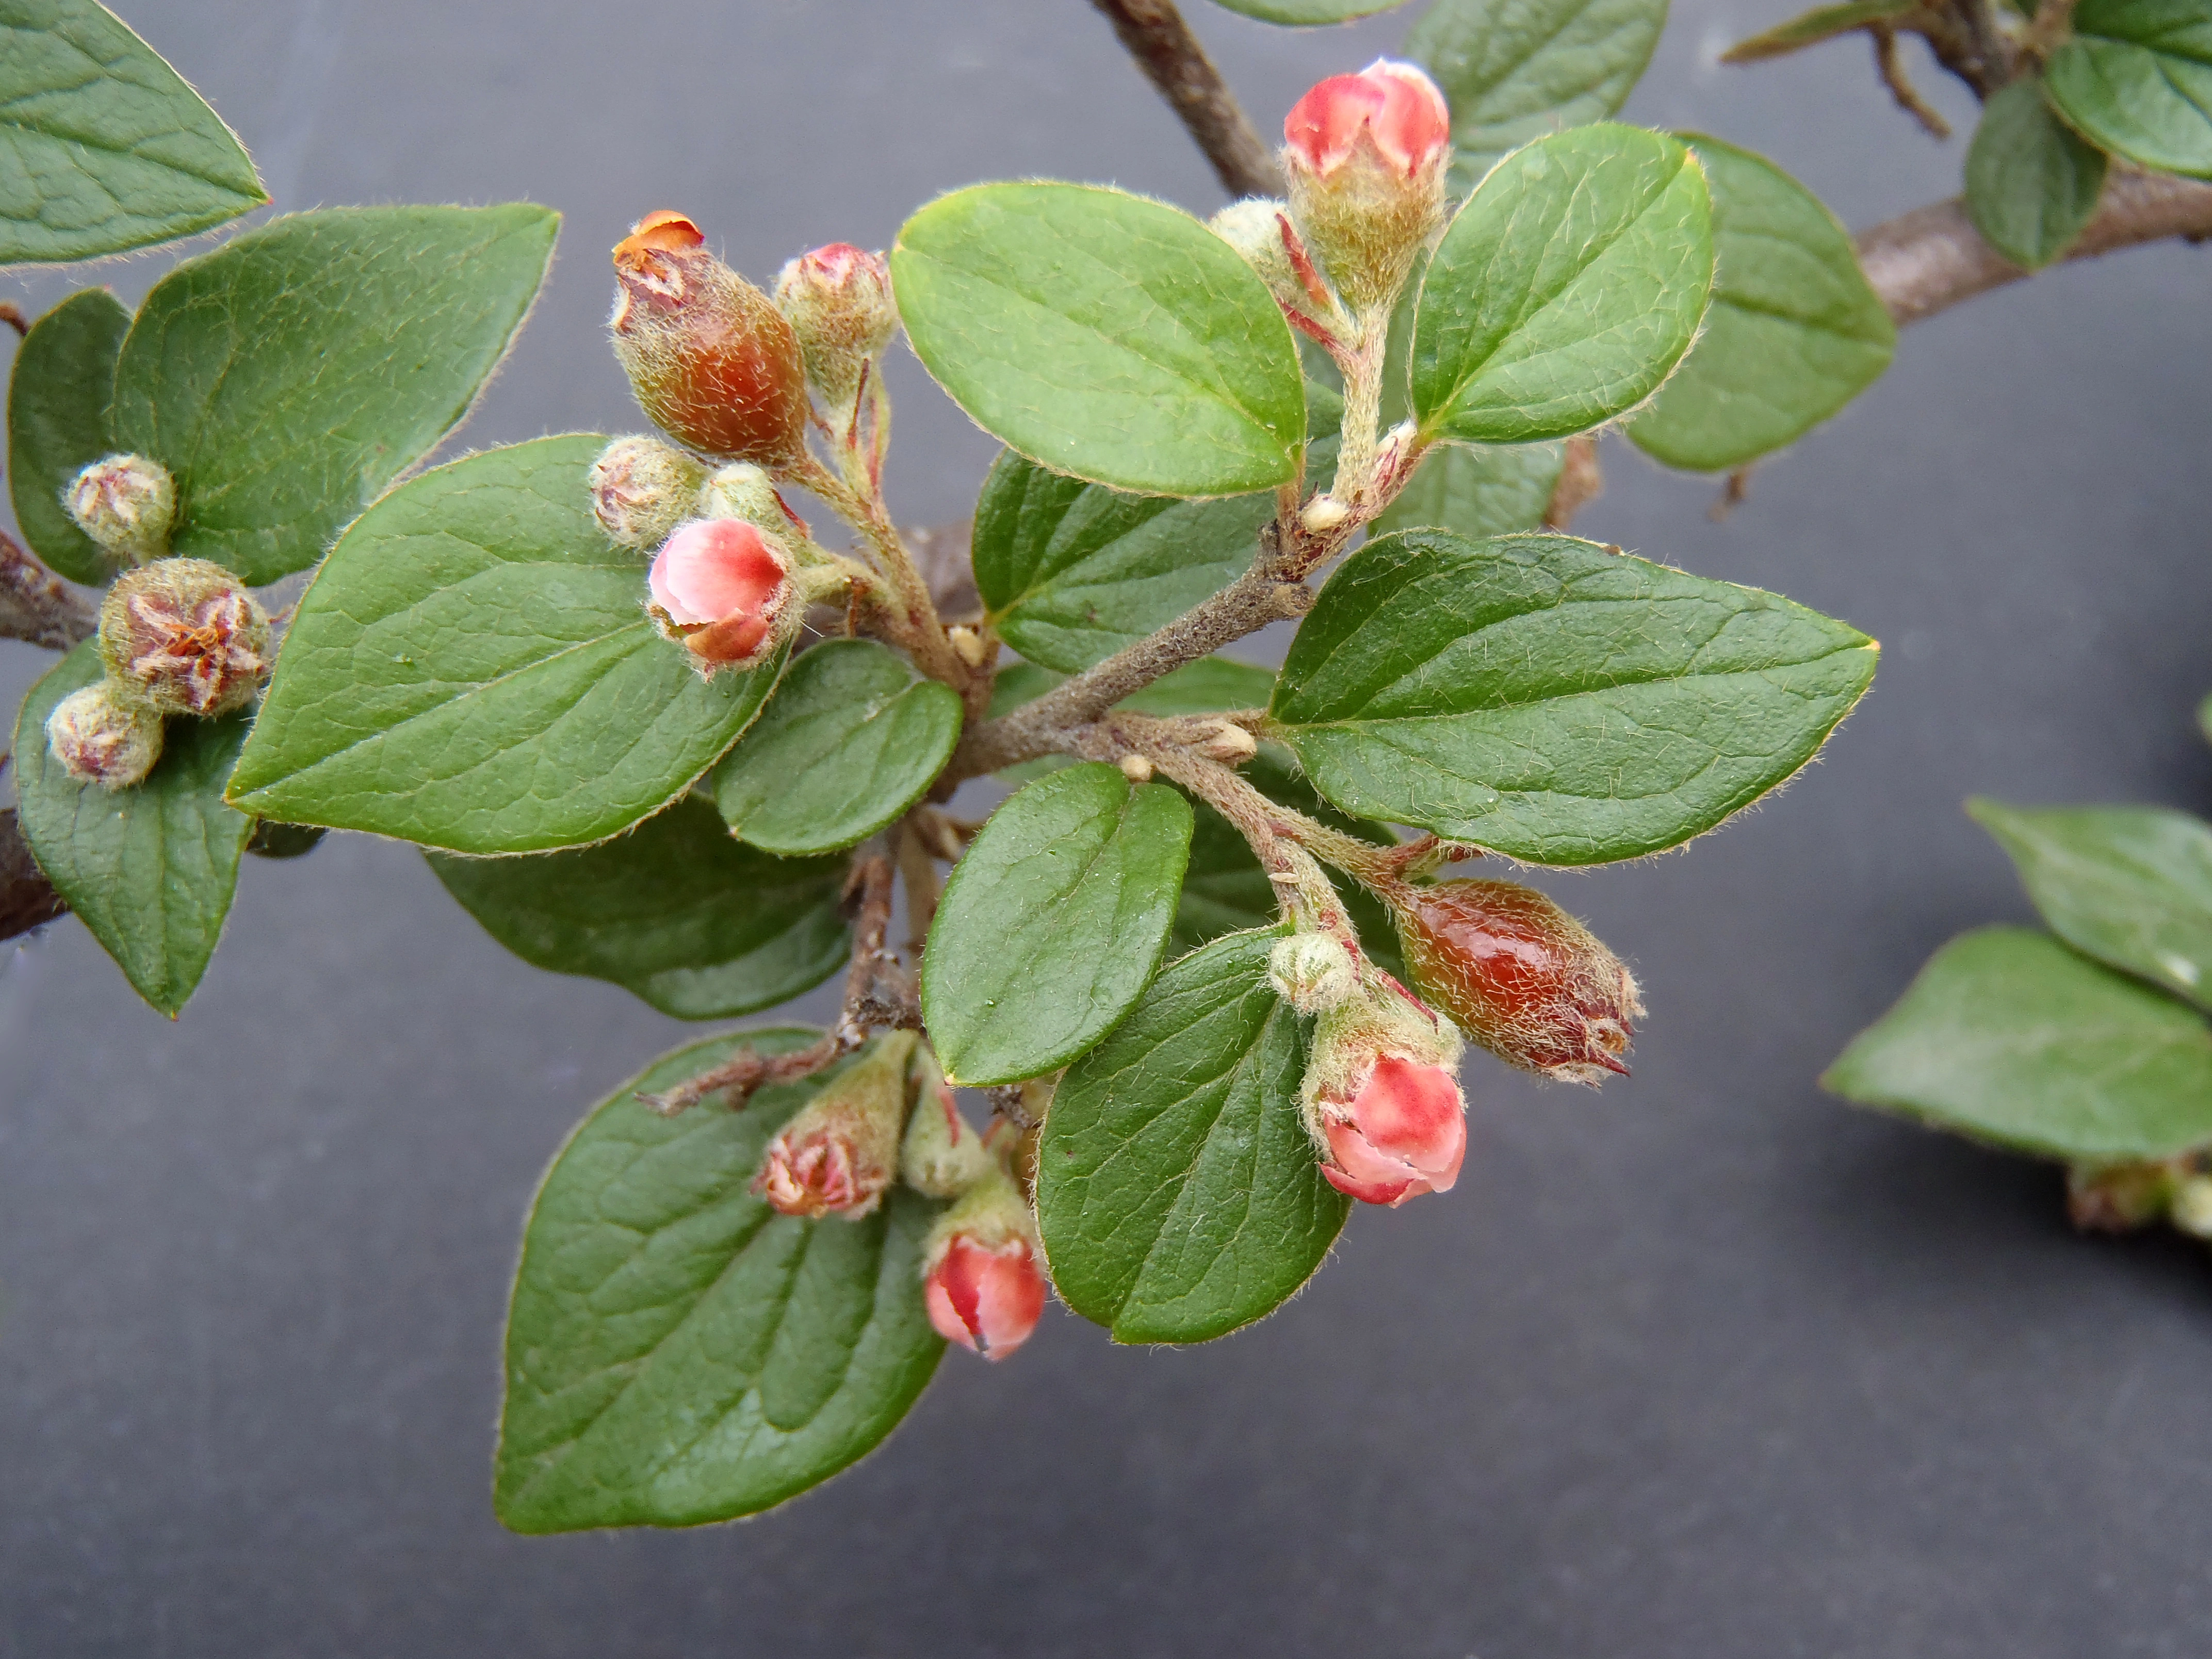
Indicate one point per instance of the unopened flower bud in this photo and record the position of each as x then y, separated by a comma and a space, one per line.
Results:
982, 1280
967, 644
742, 490
1366, 154
941, 1157
2118, 1198
1382, 1094
1311, 972
185, 636
1520, 977
2191, 1210
1260, 230
841, 1151
1229, 743
104, 739
642, 488
1136, 768
1323, 514
723, 587
127, 504
838, 300
711, 358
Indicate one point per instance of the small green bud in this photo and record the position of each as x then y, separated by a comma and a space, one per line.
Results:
838, 301
742, 490
941, 1156
185, 636
642, 488
1311, 972
127, 504
104, 739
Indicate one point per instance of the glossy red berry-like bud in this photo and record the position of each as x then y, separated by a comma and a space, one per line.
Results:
185, 637
841, 1151
1366, 156
838, 301
723, 587
711, 358
982, 1278
104, 739
1520, 977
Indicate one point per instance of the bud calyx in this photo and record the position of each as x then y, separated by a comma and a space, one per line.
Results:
103, 737
185, 637
125, 503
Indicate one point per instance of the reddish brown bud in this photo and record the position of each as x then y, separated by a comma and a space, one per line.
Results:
711, 358
183, 636
1520, 977
841, 1152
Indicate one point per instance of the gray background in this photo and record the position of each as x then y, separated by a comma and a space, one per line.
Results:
1708, 1365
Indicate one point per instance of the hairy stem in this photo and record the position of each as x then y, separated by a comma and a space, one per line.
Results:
1154, 33
34, 605
912, 612
28, 899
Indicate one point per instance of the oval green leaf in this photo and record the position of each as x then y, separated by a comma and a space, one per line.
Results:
59, 394
1565, 290
1177, 1191
149, 870
102, 145
1104, 336
1544, 698
851, 741
1796, 330
2136, 79
473, 669
1071, 572
1052, 924
1519, 71
698, 925
1478, 490
2008, 1036
1308, 14
2030, 183
2128, 885
678, 1353
288, 376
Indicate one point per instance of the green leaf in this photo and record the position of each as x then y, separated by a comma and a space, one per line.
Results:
149, 870
1517, 70
2030, 183
1796, 330
2136, 79
1071, 572
1051, 926
677, 1351
102, 145
1821, 24
1544, 698
2008, 1036
58, 412
2128, 885
473, 669
1565, 290
1105, 335
851, 740
698, 925
288, 376
1306, 13
1488, 491
1211, 685
1177, 1191
1019, 683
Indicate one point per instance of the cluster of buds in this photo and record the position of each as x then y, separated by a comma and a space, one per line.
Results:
178, 637
2120, 1197
890, 1115
1381, 1098
1519, 975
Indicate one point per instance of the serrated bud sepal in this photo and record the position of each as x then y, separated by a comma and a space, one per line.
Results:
125, 503
841, 1150
100, 737
185, 637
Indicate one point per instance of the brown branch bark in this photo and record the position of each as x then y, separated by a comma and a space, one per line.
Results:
34, 605
1154, 33
28, 899
1929, 259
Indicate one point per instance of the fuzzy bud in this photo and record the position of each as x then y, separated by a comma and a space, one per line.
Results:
711, 358
941, 1157
185, 636
1382, 1094
1136, 768
742, 490
1366, 156
1311, 972
1323, 514
1520, 977
723, 588
127, 504
2118, 1198
1260, 230
838, 301
982, 1280
1229, 743
841, 1151
2191, 1210
642, 488
103, 738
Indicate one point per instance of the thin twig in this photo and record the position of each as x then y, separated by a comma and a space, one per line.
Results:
1581, 481
1891, 68
12, 314
34, 605
28, 899
1154, 33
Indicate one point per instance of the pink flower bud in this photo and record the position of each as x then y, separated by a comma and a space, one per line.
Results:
838, 301
1520, 977
1402, 1133
185, 636
982, 1280
127, 504
711, 358
841, 1152
101, 737
1366, 156
722, 586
